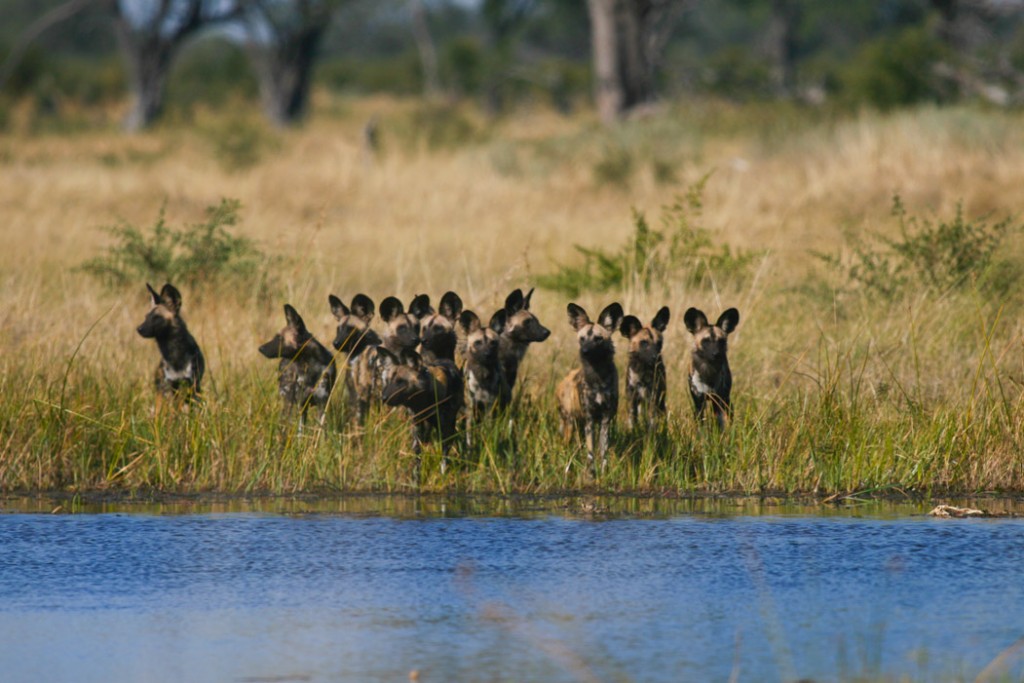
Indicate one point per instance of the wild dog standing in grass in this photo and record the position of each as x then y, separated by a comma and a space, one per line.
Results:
306, 369
484, 374
588, 396
181, 368
432, 394
645, 373
359, 343
520, 328
437, 330
710, 377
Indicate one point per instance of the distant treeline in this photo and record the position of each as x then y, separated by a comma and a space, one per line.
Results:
170, 55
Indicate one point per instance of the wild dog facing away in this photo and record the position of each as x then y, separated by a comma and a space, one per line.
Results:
588, 397
306, 371
484, 374
359, 343
710, 377
432, 395
645, 371
180, 371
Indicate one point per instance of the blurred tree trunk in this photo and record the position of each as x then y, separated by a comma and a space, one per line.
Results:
150, 34
283, 44
782, 37
426, 48
627, 41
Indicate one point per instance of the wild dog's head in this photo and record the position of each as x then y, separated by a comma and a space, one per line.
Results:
645, 342
164, 317
405, 381
710, 342
291, 339
353, 323
520, 324
402, 330
482, 343
437, 330
595, 338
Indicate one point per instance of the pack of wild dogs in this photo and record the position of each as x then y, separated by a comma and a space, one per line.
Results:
445, 363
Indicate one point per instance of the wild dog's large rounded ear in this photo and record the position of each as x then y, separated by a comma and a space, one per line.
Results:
293, 318
390, 308
578, 318
450, 306
729, 320
514, 302
695, 320
498, 321
154, 296
171, 297
611, 316
630, 326
362, 306
469, 322
339, 309
526, 299
386, 357
420, 306
660, 321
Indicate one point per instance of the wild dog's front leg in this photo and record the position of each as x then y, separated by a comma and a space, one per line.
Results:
603, 443
588, 433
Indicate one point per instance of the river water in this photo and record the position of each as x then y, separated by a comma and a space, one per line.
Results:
553, 593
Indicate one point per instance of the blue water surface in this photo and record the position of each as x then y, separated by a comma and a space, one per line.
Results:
255, 597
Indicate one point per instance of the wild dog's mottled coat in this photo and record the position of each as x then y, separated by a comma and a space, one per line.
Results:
710, 378
432, 394
181, 367
306, 370
645, 372
588, 397
359, 343
520, 328
485, 376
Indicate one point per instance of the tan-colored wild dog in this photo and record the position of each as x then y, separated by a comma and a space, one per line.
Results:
588, 397
359, 343
710, 378
306, 371
520, 328
484, 375
180, 371
645, 370
437, 330
432, 394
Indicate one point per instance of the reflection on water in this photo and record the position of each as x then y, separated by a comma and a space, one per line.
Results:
565, 590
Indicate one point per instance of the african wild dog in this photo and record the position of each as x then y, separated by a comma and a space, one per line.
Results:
432, 394
645, 373
520, 328
588, 396
359, 343
710, 378
485, 377
180, 372
306, 369
437, 330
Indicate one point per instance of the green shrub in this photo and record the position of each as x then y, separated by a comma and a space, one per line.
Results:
939, 256
896, 71
681, 251
615, 167
240, 143
198, 255
435, 127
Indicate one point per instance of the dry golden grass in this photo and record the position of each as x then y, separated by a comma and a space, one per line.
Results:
484, 218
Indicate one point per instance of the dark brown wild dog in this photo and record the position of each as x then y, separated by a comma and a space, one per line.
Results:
520, 328
181, 367
710, 377
484, 374
588, 396
645, 372
437, 330
432, 394
359, 343
306, 371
